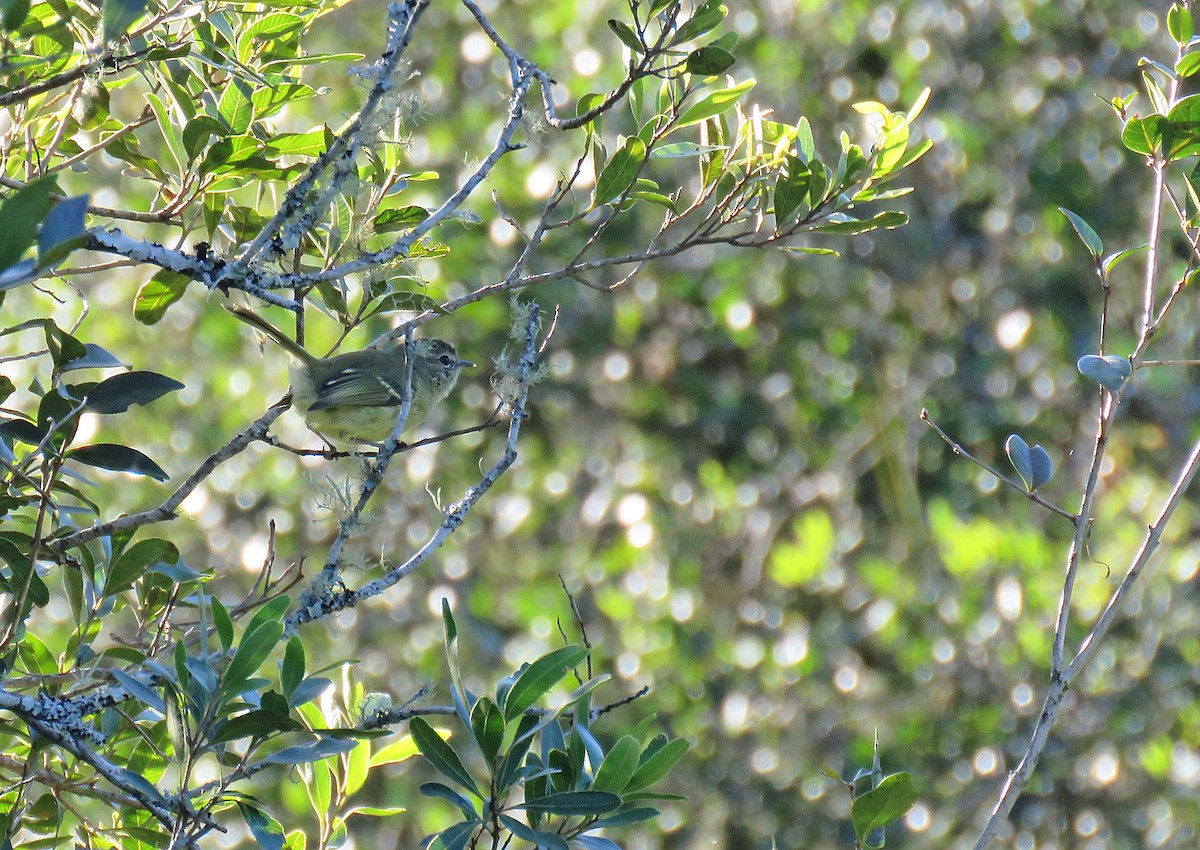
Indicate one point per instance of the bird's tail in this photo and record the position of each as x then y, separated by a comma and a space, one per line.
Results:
283, 340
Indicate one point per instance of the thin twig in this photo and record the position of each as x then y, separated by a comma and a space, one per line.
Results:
1020, 488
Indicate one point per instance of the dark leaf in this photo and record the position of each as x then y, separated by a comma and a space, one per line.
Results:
118, 393
267, 832
62, 231
119, 15
95, 358
439, 754
118, 458
20, 216
709, 61
575, 803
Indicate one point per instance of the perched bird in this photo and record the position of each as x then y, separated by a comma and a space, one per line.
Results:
356, 396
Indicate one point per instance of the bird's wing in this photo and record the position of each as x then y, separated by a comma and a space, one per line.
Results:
355, 388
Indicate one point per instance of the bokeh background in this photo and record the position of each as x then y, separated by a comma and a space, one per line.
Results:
725, 464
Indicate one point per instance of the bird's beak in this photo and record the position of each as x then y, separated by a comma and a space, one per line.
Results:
465, 363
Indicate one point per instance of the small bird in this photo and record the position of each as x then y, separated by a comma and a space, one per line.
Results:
356, 397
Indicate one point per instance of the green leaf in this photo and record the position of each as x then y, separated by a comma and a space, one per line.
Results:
256, 723
539, 677
166, 126
445, 792
1087, 235
1143, 135
23, 574
791, 189
626, 34
14, 13
401, 750
883, 804
714, 103
222, 622
136, 561
118, 393
454, 838
403, 218
440, 754
20, 216
841, 223
96, 357
157, 294
1018, 456
235, 106
117, 458
1180, 24
322, 748
574, 803
706, 18
119, 15
291, 673
657, 765
620, 172
63, 230
414, 302
257, 644
1188, 64
709, 61
487, 725
1110, 371
541, 840
618, 766
1110, 262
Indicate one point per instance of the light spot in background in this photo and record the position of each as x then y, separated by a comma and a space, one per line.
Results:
586, 62
764, 760
1009, 599
735, 712
89, 424
195, 503
1022, 696
879, 614
1087, 823
514, 510
594, 507
918, 819
254, 553
1185, 765
1105, 767
433, 601
555, 483
739, 315
628, 665
640, 534
748, 652
541, 180
501, 232
475, 48
683, 606
845, 679
239, 382
632, 508
1012, 327
943, 651
985, 761
792, 648
617, 366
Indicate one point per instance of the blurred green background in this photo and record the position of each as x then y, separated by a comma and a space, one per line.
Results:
725, 465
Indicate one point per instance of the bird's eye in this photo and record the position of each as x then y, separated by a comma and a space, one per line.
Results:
445, 359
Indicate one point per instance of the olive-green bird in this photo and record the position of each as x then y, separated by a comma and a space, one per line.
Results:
356, 396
